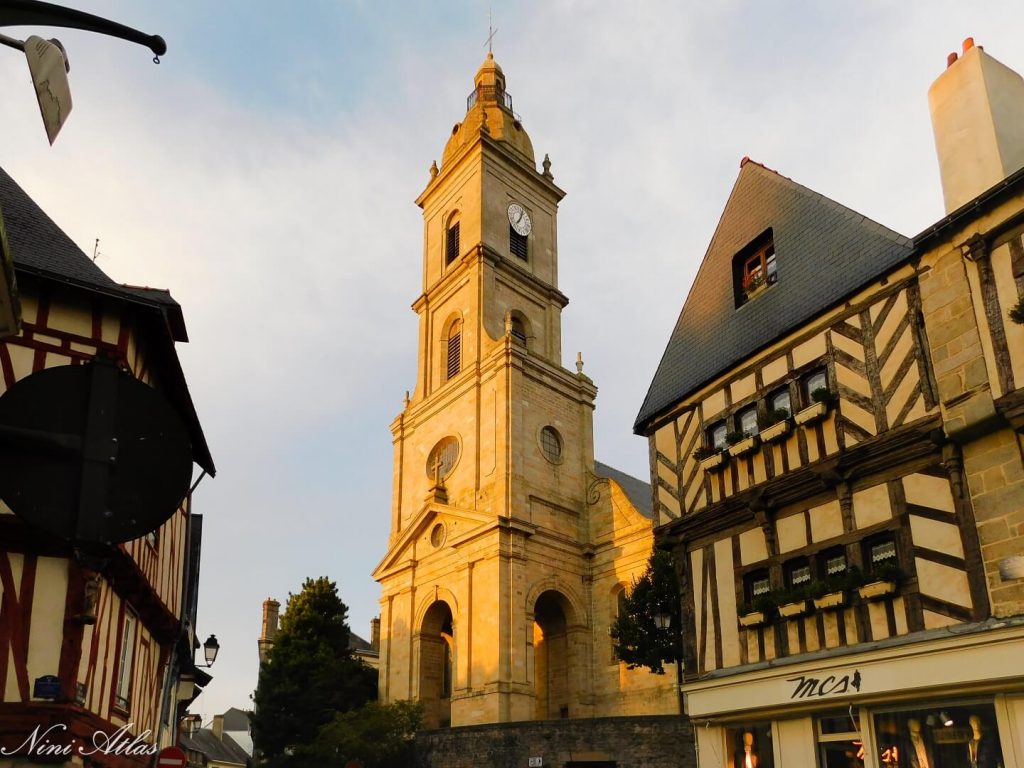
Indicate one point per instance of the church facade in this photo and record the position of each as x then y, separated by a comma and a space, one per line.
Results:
510, 546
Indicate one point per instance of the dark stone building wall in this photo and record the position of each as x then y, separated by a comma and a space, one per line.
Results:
606, 742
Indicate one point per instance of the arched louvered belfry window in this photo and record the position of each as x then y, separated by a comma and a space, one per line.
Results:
518, 330
452, 247
453, 350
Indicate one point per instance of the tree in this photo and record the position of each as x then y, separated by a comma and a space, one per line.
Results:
310, 676
377, 736
638, 640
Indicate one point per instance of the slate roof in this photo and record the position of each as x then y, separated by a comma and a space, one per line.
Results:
224, 750
637, 491
39, 247
356, 643
824, 252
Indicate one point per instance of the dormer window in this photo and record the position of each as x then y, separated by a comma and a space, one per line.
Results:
754, 268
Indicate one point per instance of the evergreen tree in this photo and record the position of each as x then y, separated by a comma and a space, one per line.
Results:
638, 640
310, 676
377, 736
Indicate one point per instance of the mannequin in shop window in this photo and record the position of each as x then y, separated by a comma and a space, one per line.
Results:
746, 755
983, 747
916, 750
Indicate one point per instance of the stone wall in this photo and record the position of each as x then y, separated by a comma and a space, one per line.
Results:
624, 742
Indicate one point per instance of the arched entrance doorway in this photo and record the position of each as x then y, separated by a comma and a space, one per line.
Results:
436, 664
551, 656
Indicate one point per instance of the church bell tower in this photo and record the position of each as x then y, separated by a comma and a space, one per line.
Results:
485, 585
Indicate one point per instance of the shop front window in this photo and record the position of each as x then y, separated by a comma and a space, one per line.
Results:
839, 742
750, 746
960, 736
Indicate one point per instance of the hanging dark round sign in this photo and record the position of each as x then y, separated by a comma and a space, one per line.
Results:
92, 454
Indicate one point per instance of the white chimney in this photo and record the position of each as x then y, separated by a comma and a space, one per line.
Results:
977, 108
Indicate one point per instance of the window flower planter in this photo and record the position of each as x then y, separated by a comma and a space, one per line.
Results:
811, 414
831, 600
792, 610
776, 431
713, 462
876, 590
753, 619
746, 445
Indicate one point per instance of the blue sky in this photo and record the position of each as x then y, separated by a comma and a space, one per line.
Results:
265, 172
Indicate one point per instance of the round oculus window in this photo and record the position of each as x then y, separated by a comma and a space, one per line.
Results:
551, 444
437, 535
442, 458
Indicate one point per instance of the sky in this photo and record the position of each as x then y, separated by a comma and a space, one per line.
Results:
265, 173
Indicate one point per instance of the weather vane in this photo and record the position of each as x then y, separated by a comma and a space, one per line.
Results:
491, 32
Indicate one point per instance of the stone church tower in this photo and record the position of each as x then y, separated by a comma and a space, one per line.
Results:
509, 546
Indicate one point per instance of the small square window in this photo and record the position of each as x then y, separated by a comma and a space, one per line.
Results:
716, 435
812, 382
779, 401
798, 572
747, 420
834, 562
756, 584
882, 551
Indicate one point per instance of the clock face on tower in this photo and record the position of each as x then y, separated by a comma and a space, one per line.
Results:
519, 219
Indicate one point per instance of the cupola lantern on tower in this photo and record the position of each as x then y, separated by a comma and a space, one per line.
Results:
489, 103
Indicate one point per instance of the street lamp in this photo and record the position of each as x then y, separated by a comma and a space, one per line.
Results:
210, 648
662, 619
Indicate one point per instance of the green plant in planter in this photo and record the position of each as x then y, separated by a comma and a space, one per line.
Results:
844, 581
788, 595
762, 603
823, 395
704, 452
734, 437
819, 588
1016, 312
887, 572
772, 417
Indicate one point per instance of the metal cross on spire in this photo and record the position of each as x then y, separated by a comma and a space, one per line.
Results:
491, 32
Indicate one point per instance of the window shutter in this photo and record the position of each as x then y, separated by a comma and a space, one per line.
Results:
517, 243
452, 244
454, 352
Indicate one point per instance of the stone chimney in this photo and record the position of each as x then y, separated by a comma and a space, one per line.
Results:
977, 108
271, 611
218, 726
375, 633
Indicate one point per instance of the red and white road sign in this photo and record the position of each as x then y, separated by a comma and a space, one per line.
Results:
171, 757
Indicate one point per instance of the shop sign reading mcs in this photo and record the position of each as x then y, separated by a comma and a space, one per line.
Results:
833, 685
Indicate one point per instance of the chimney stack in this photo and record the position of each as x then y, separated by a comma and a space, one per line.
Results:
271, 611
375, 633
218, 726
977, 108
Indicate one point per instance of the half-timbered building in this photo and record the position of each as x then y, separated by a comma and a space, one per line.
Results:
84, 652
836, 455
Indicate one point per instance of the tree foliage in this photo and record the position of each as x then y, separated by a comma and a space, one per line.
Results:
638, 640
309, 677
377, 736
